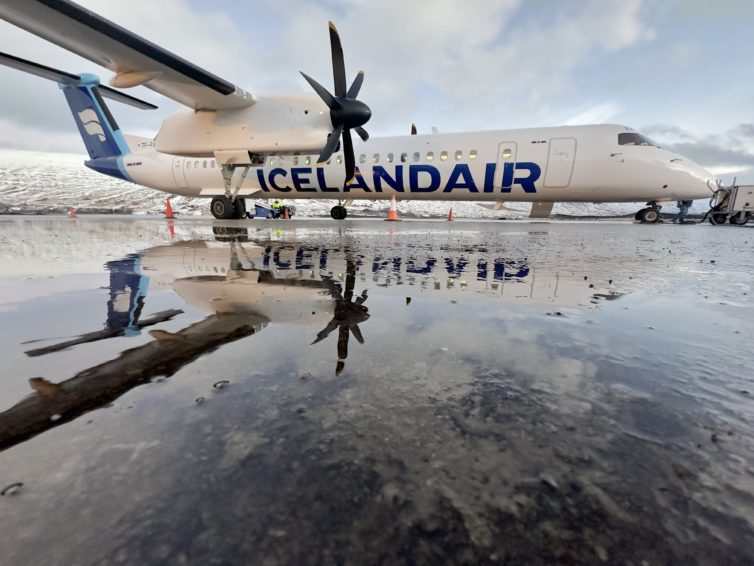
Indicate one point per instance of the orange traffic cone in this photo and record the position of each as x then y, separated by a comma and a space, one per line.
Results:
72, 213
392, 214
171, 229
168, 209
450, 215
285, 214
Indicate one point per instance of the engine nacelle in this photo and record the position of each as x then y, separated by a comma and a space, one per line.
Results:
273, 124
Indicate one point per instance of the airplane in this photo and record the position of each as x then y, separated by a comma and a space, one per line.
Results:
230, 145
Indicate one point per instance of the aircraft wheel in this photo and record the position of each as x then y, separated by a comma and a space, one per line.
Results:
739, 218
637, 216
222, 208
718, 218
338, 212
649, 215
239, 208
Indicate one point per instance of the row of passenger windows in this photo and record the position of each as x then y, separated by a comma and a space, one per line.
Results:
376, 157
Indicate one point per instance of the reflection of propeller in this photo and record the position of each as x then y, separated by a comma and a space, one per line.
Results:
347, 315
346, 113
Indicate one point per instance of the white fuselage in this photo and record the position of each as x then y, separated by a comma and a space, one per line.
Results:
568, 163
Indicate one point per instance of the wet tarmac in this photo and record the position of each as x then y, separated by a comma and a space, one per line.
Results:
313, 392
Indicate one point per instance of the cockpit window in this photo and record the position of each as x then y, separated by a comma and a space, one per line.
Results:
633, 138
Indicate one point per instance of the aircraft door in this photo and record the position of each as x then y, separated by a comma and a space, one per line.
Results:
560, 161
179, 173
506, 163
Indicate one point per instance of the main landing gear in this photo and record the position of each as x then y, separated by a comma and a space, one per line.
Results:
223, 208
230, 206
650, 214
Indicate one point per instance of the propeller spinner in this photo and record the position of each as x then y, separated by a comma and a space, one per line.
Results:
346, 112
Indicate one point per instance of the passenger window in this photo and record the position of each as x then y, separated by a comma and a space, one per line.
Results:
295, 160
362, 159
281, 161
444, 156
204, 163
459, 155
376, 158
472, 155
339, 160
308, 160
212, 164
430, 156
188, 165
196, 165
404, 157
389, 157
417, 156
507, 154
272, 161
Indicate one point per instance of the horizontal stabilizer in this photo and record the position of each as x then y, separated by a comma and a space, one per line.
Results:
61, 77
126, 54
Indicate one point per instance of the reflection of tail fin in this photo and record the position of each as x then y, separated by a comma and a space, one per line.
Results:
102, 137
128, 288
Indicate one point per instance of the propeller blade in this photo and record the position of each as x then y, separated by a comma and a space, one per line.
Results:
357, 333
332, 143
353, 92
413, 127
343, 342
338, 64
362, 133
325, 332
323, 93
349, 157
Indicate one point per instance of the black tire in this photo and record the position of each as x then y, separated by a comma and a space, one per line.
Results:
221, 208
338, 212
739, 218
239, 208
717, 218
649, 215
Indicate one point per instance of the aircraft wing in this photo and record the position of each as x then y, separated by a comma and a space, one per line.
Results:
133, 59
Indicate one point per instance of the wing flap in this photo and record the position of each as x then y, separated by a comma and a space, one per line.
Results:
105, 43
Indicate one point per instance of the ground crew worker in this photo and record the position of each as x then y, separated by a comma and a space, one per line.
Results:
683, 209
276, 204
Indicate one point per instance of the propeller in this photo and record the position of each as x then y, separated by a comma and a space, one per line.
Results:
346, 112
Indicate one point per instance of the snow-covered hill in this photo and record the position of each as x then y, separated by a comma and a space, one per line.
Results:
32, 182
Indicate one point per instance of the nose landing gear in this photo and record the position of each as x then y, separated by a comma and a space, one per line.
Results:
338, 212
649, 215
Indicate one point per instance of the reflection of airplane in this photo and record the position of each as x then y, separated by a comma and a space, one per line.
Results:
245, 286
288, 145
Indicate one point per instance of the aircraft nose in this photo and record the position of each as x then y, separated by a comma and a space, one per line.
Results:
698, 180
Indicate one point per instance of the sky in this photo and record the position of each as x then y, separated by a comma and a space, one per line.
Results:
680, 71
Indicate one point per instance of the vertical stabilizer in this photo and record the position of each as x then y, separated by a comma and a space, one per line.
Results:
102, 137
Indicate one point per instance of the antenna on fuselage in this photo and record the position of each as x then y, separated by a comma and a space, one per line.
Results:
413, 129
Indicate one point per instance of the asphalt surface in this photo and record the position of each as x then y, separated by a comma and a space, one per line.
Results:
365, 392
